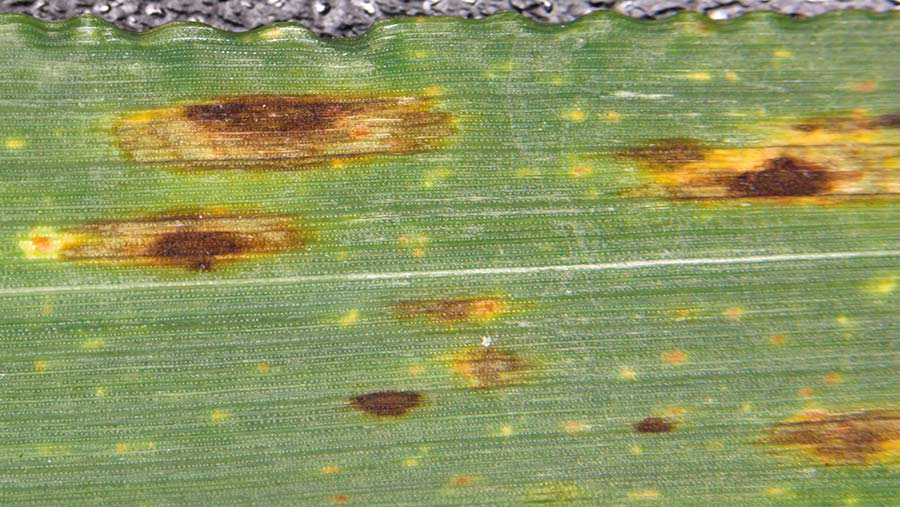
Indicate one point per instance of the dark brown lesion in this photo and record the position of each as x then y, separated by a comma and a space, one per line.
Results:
856, 438
665, 153
487, 367
654, 425
451, 309
283, 131
195, 241
387, 403
782, 177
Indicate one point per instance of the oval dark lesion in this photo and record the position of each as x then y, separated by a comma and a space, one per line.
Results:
199, 249
387, 403
782, 177
654, 425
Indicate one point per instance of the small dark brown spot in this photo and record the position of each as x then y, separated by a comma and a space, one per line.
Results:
806, 127
387, 403
668, 153
782, 177
654, 425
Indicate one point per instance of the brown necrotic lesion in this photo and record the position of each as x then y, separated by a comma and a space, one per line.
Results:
282, 132
854, 156
197, 241
451, 309
855, 438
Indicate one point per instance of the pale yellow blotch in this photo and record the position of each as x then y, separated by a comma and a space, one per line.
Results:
683, 314
411, 461
348, 319
420, 54
433, 91
851, 501
612, 116
575, 115
557, 80
782, 53
746, 408
863, 86
342, 256
734, 313
698, 76
506, 431
842, 320
100, 392
330, 469
40, 366
643, 494
131, 447
415, 371
675, 411
218, 416
47, 309
715, 445
338, 164
15, 143
882, 286
527, 172
626, 373
53, 450
271, 34
45, 243
93, 344
833, 379
575, 427
418, 252
635, 449
731, 76
263, 367
580, 171
435, 177
121, 448
674, 357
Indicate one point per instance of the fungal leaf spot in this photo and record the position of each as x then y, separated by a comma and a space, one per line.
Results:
282, 132
654, 425
387, 403
838, 157
451, 310
486, 367
856, 438
194, 241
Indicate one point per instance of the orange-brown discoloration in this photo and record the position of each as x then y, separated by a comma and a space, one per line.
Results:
816, 158
452, 310
856, 438
196, 241
485, 367
282, 132
654, 425
387, 403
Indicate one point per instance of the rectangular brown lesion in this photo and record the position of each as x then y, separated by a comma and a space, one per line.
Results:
855, 438
196, 241
282, 132
854, 156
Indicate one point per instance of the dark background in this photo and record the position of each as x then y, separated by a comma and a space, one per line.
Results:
338, 18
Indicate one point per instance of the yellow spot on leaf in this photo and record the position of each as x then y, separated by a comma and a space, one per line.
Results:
731, 76
635, 449
575, 427
263, 367
842, 320
579, 171
734, 313
411, 462
420, 54
271, 34
121, 448
506, 431
464, 480
782, 53
15, 143
674, 357
863, 86
349, 318
683, 314
418, 252
218, 416
612, 116
777, 339
415, 371
330, 469
699, 76
833, 379
574, 115
805, 392
435, 177
746, 408
883, 286
40, 366
93, 344
643, 494
100, 392
776, 491
528, 172
626, 373
433, 91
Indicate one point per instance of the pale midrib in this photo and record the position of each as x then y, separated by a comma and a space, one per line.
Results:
406, 275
